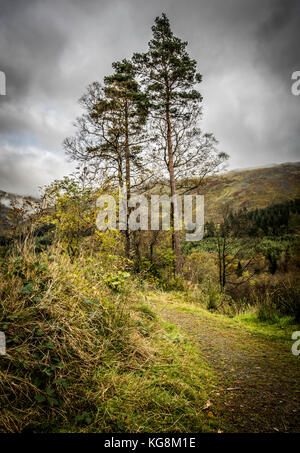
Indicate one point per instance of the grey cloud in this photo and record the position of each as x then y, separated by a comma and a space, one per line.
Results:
279, 37
20, 167
52, 49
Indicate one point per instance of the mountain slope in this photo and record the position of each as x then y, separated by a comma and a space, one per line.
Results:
253, 188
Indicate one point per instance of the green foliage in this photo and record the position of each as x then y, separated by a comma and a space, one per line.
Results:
71, 209
272, 220
174, 283
213, 298
83, 356
55, 316
167, 66
117, 281
276, 299
254, 189
83, 419
199, 266
273, 249
146, 310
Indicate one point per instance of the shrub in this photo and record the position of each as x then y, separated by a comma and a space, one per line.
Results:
213, 298
198, 266
174, 283
116, 281
276, 297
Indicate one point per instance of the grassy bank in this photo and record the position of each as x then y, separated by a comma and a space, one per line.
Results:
82, 356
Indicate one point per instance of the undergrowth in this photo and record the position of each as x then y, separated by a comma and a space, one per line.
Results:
86, 355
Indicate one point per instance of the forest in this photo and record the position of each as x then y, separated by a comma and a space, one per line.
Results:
143, 331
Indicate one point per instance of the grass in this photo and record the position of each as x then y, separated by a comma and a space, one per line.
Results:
82, 357
85, 357
164, 394
252, 188
257, 375
279, 328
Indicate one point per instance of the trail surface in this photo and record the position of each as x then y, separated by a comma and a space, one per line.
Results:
258, 378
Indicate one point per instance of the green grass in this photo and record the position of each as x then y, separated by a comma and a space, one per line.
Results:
84, 358
249, 356
164, 393
280, 328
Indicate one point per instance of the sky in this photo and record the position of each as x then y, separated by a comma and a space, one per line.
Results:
50, 50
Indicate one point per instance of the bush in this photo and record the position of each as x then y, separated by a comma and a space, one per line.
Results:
174, 283
198, 266
277, 297
214, 297
116, 281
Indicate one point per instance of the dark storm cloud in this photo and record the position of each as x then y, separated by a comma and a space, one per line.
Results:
31, 42
279, 37
51, 50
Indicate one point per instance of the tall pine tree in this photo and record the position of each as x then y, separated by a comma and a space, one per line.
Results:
133, 106
170, 76
110, 133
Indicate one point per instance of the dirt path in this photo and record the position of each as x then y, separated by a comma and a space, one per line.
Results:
258, 377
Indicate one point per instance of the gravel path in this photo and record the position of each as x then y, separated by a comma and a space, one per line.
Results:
258, 378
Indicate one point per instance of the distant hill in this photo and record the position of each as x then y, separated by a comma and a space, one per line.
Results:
251, 188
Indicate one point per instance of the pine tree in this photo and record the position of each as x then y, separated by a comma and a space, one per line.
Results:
110, 133
123, 89
170, 76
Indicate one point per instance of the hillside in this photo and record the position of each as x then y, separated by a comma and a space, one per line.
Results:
253, 188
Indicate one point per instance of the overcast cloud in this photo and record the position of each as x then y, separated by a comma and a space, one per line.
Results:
51, 50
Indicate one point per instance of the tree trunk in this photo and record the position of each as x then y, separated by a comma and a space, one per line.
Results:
224, 263
219, 260
175, 234
128, 185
